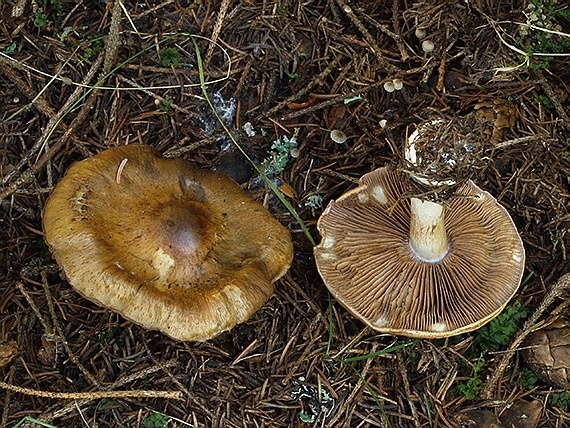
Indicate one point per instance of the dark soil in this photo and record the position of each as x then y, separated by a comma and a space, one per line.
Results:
79, 77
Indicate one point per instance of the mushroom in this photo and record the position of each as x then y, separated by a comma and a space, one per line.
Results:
338, 136
547, 352
416, 268
168, 245
428, 46
389, 86
420, 33
522, 414
419, 266
479, 418
398, 84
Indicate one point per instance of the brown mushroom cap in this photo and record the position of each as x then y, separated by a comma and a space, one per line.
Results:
366, 262
547, 352
168, 245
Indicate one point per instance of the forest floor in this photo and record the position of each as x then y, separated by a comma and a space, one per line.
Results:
79, 77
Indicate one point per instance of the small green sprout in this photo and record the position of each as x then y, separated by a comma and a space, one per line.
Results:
472, 386
528, 379
40, 19
93, 49
11, 48
166, 106
498, 333
545, 101
560, 399
156, 420
170, 57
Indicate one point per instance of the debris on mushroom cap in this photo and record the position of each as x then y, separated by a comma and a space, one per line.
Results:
166, 244
444, 151
366, 261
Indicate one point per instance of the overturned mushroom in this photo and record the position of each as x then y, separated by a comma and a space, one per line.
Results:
170, 246
404, 267
408, 265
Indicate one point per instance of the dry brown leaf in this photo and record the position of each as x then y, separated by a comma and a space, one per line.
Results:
8, 351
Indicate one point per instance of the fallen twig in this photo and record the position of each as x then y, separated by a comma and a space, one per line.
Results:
530, 325
94, 395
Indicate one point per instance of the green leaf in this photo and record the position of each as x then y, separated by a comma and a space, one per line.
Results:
11, 48
156, 420
528, 379
497, 333
561, 399
170, 57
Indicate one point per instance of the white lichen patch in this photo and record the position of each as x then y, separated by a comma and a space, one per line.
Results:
328, 242
382, 321
363, 198
162, 262
517, 256
329, 256
379, 194
438, 326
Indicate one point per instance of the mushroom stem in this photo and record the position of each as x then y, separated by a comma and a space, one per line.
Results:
428, 239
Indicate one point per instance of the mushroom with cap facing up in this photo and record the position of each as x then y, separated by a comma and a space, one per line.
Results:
410, 266
168, 245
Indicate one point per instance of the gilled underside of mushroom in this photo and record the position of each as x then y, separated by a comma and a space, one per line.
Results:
420, 269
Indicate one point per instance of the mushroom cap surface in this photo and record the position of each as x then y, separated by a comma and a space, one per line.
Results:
547, 352
168, 245
367, 264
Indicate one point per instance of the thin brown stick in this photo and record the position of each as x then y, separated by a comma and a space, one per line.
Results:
396, 34
36, 100
217, 30
113, 38
48, 329
305, 90
404, 375
389, 68
530, 325
28, 176
61, 336
7, 398
73, 405
95, 395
